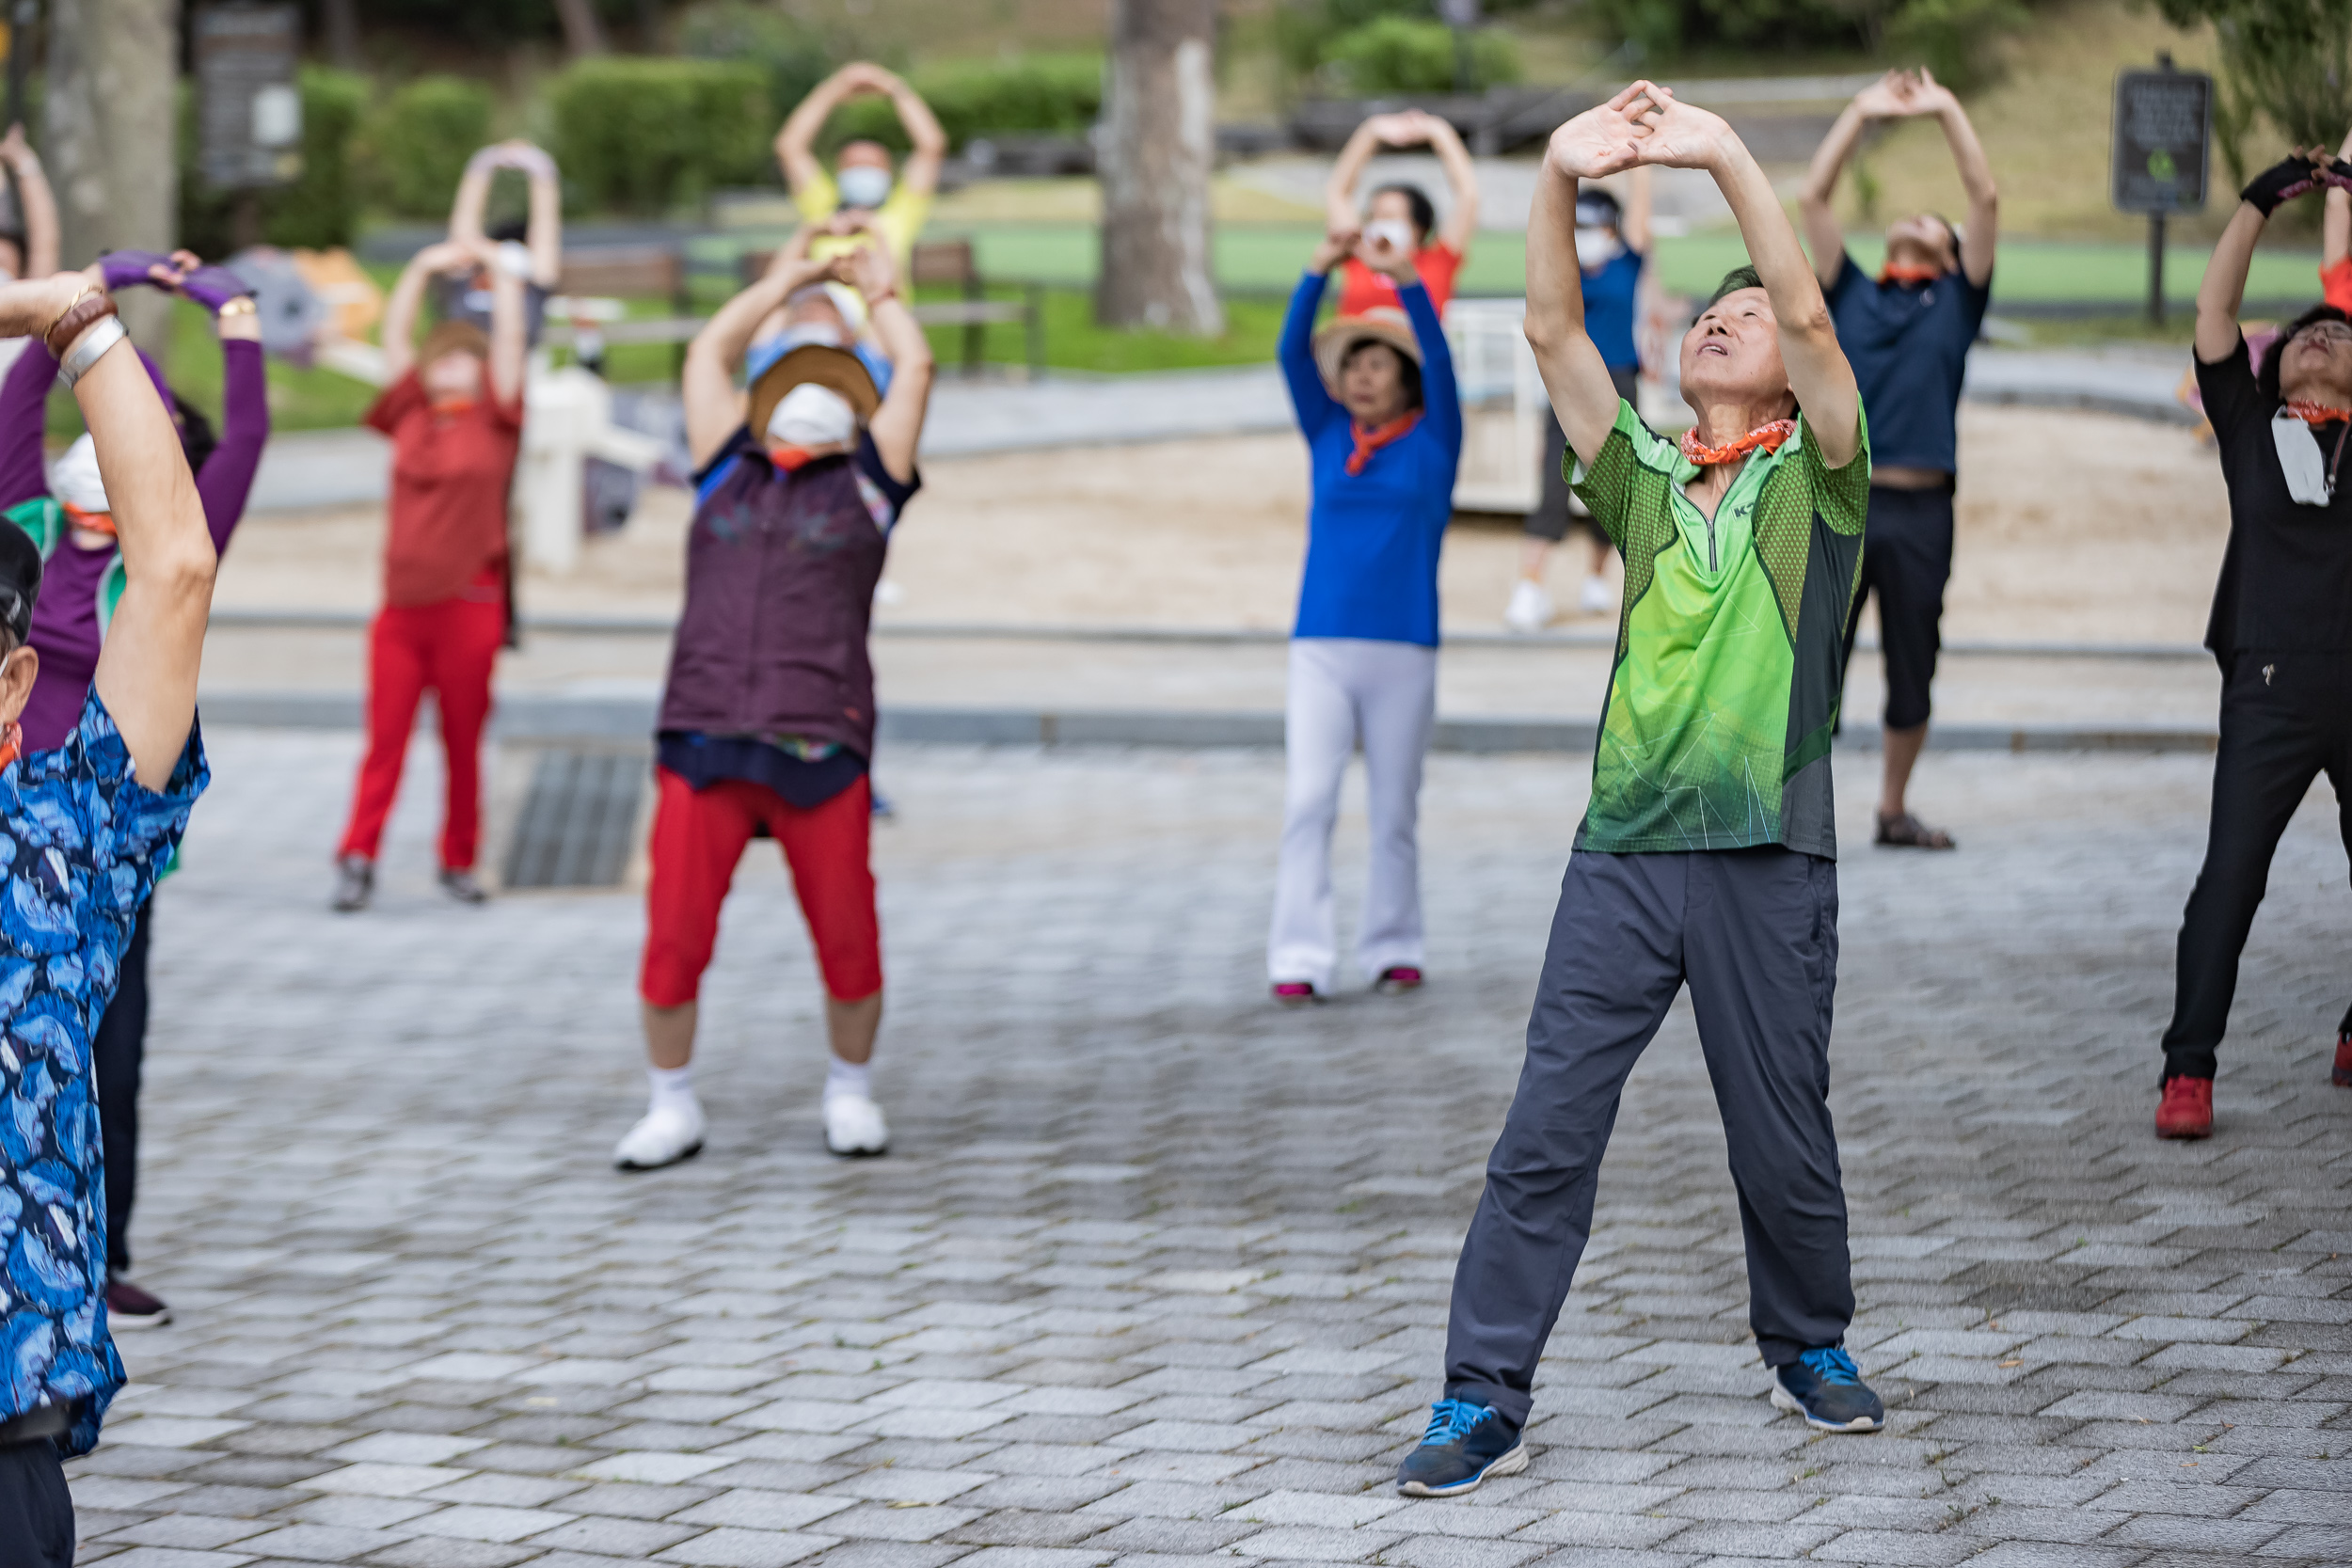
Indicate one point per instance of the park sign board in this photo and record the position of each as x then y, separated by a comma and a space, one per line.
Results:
2163, 141
249, 120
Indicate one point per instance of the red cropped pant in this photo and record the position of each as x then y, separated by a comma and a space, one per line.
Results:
449, 647
698, 838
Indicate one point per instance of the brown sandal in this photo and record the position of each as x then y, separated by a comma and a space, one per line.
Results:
1906, 831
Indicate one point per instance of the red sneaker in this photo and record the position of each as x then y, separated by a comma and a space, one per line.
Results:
2344, 1057
2187, 1109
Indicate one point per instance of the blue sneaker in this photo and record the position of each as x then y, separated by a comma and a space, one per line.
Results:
1824, 1387
1464, 1444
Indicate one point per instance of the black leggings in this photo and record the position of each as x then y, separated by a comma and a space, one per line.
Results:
2285, 717
36, 1509
121, 1053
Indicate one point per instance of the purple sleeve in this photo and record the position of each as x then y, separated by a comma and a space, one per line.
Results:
227, 475
24, 418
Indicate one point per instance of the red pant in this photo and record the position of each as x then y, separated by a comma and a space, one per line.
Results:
698, 837
450, 648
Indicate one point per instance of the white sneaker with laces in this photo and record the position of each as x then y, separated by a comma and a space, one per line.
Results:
1530, 609
854, 1126
663, 1136
1596, 598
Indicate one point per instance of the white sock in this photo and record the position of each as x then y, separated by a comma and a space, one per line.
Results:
670, 1088
855, 1078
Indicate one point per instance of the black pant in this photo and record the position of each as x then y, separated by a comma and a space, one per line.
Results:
120, 1050
1552, 512
36, 1509
1753, 932
1906, 560
2285, 717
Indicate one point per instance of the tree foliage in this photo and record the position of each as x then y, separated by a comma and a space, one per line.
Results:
2287, 61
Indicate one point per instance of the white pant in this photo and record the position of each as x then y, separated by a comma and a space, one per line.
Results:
1343, 690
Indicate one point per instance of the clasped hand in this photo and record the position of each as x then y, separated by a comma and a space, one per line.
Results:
1645, 123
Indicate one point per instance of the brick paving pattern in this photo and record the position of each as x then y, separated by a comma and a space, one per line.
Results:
1156, 1276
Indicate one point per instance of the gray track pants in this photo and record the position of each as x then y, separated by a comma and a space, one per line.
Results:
1754, 934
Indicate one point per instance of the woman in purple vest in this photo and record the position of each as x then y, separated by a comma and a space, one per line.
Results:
65, 510
768, 720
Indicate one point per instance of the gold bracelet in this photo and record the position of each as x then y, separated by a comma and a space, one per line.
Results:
241, 306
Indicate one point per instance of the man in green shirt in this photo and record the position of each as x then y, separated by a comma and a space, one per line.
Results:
1705, 853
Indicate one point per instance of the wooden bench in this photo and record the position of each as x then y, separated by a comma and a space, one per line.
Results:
626, 272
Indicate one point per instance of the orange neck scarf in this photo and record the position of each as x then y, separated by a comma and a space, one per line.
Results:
99, 522
11, 743
791, 459
1893, 274
1763, 437
2310, 413
1371, 438
454, 409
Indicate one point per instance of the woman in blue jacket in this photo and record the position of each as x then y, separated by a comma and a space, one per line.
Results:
1375, 399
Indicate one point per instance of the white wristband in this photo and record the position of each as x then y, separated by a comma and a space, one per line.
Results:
93, 346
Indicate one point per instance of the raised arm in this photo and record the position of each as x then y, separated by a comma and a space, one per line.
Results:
473, 196
1339, 192
407, 302
920, 173
1979, 239
1686, 137
1461, 176
543, 231
714, 405
147, 672
35, 200
226, 480
509, 330
897, 424
796, 143
1310, 399
1640, 209
2335, 223
2222, 289
1596, 143
1440, 398
1882, 98
24, 411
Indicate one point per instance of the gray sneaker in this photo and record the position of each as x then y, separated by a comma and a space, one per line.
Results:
355, 883
464, 886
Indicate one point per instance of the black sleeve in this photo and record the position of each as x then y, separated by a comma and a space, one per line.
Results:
2232, 401
1973, 302
894, 490
736, 445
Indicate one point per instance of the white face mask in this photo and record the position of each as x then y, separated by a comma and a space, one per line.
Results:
1395, 232
863, 185
75, 479
1597, 246
813, 416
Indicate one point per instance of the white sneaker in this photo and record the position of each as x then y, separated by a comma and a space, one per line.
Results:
1530, 608
854, 1126
662, 1138
1596, 598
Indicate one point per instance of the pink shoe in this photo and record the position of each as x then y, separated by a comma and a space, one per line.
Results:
1397, 979
1294, 993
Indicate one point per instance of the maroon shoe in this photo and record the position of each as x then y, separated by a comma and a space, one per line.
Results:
1397, 979
1294, 993
2343, 1057
2187, 1109
128, 1306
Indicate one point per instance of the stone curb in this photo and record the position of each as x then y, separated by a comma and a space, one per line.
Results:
629, 719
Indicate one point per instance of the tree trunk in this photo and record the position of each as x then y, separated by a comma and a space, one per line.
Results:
342, 18
582, 36
1159, 142
110, 130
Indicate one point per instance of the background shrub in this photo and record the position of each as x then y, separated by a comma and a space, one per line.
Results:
416, 143
1047, 94
646, 134
796, 57
1398, 54
320, 210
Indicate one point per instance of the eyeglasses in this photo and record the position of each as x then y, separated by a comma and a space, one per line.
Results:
2331, 332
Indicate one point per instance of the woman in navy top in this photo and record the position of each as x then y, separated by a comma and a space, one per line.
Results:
1375, 400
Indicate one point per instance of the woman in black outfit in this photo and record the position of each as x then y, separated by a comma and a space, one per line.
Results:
2282, 622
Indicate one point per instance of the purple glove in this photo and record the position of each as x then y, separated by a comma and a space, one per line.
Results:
125, 268
212, 287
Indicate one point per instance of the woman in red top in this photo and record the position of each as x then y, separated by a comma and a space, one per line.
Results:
455, 412
1402, 212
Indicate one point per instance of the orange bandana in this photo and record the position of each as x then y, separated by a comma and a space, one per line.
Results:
451, 408
2310, 413
1763, 437
1893, 274
791, 459
1370, 439
103, 522
11, 743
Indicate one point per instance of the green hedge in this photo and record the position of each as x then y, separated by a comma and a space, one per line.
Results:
648, 134
415, 145
319, 210
794, 56
1397, 54
1048, 94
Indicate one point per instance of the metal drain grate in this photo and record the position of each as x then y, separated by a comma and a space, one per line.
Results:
577, 820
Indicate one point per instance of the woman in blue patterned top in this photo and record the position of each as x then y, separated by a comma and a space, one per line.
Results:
82, 828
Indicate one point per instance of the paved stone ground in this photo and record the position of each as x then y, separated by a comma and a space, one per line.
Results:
1156, 1276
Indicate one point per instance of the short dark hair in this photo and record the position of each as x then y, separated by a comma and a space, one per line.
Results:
508, 232
197, 438
1417, 200
1734, 280
1408, 373
2266, 378
1602, 202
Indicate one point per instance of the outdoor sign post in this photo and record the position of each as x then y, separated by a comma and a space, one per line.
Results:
250, 120
18, 32
1461, 16
2163, 146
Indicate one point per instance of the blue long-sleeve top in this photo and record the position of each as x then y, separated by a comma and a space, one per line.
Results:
1373, 538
